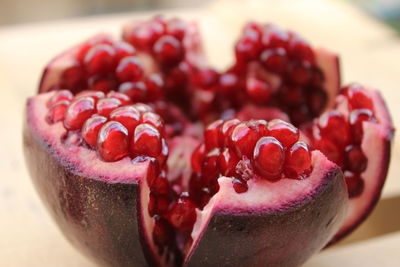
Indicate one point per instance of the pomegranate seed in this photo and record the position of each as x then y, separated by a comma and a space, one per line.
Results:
146, 141
317, 78
182, 214
57, 111
142, 108
243, 140
197, 158
100, 59
161, 20
248, 47
291, 95
106, 105
261, 126
176, 78
168, 50
84, 48
127, 116
269, 157
300, 73
82, 51
158, 204
297, 160
229, 84
355, 184
73, 76
317, 100
176, 28
112, 143
357, 117
211, 134
226, 130
258, 90
123, 50
300, 115
154, 85
251, 26
91, 128
300, 50
356, 161
160, 185
206, 79
154, 120
102, 83
129, 69
284, 132
59, 96
144, 35
358, 97
78, 112
227, 162
210, 167
153, 170
273, 37
96, 95
334, 126
330, 150
196, 185
136, 91
274, 60
163, 233
125, 100
162, 158
239, 186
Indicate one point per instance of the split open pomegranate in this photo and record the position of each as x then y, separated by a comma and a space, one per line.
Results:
145, 155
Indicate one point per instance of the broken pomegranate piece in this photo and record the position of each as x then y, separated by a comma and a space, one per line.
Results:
145, 155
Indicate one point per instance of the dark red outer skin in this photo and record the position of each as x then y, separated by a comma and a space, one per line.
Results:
287, 237
385, 160
100, 219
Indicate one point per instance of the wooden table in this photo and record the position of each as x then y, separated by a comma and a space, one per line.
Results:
370, 51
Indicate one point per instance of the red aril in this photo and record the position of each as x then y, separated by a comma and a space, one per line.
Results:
146, 140
78, 112
91, 129
112, 141
129, 69
269, 157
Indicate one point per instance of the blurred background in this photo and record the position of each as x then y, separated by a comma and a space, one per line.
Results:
23, 11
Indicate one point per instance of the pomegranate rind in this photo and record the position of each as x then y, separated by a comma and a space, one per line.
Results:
267, 226
376, 145
95, 209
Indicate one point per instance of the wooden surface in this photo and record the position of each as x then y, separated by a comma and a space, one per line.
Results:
370, 54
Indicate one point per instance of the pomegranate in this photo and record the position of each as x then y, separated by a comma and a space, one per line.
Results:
145, 155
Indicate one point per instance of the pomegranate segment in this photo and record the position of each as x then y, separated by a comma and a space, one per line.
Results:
240, 157
370, 153
282, 70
